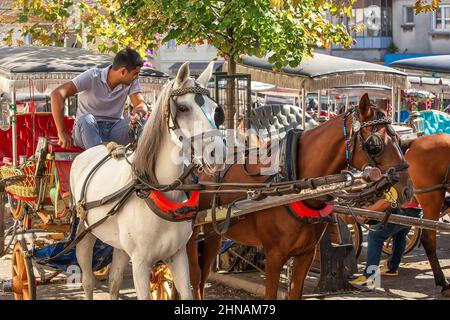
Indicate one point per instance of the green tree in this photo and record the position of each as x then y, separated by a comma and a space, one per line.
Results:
288, 31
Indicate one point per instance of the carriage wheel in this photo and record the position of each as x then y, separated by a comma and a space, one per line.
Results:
162, 286
357, 237
2, 224
103, 273
16, 208
23, 280
412, 239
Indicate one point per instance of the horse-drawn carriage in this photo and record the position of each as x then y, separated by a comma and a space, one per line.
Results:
34, 169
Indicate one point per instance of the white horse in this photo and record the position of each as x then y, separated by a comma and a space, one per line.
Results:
136, 232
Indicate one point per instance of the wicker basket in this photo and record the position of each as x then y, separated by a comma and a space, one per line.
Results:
25, 190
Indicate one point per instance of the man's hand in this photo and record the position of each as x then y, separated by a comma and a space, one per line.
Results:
137, 117
65, 140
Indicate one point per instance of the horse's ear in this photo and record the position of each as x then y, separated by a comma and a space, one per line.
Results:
182, 75
206, 74
364, 105
382, 105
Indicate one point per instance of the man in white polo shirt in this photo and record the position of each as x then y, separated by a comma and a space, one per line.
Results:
102, 94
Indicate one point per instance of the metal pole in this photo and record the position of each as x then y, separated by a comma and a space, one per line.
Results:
346, 103
328, 100
393, 103
399, 107
14, 126
303, 108
395, 218
318, 99
248, 206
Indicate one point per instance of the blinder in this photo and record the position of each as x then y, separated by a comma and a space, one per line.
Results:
373, 145
219, 116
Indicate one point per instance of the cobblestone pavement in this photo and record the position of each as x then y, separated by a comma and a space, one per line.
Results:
414, 282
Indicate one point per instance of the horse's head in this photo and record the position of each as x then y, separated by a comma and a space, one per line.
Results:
193, 119
372, 141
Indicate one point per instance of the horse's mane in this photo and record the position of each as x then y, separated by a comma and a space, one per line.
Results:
149, 144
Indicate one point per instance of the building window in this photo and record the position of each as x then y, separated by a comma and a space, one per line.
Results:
376, 15
441, 19
408, 15
171, 44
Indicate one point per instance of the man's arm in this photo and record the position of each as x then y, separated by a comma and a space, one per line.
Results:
58, 98
139, 105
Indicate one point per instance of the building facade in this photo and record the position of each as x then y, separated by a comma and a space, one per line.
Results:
375, 40
169, 57
425, 33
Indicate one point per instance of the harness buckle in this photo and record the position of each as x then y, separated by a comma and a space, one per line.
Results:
82, 212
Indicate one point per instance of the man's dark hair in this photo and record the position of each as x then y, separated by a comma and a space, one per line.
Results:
127, 58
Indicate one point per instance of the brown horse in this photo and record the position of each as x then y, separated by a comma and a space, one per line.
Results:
429, 160
321, 152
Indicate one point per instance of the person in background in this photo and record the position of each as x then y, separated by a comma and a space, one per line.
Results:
376, 239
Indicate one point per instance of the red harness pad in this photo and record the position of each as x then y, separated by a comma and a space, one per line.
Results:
172, 211
303, 211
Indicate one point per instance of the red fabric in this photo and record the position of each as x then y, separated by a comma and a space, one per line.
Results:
29, 128
166, 205
304, 212
54, 147
63, 171
412, 204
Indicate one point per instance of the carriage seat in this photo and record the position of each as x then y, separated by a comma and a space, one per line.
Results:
278, 119
31, 126
63, 163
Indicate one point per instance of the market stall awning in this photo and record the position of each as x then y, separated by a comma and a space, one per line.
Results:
48, 67
435, 85
323, 72
438, 63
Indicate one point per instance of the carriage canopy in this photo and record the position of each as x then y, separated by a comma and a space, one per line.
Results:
45, 68
323, 72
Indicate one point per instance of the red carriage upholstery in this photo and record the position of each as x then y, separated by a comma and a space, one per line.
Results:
30, 126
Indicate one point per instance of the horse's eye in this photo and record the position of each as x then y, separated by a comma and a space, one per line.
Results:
182, 108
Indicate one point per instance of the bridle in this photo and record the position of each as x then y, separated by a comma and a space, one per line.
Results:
174, 127
373, 146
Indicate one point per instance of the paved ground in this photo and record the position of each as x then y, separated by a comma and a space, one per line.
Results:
415, 282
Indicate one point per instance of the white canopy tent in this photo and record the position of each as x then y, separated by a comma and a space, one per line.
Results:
323, 72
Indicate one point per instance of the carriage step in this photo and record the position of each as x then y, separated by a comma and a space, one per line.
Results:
336, 264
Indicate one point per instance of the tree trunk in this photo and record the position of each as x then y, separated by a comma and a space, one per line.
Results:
230, 107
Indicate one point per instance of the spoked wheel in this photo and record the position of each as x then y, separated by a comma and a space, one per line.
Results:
162, 286
103, 273
23, 280
17, 208
2, 224
412, 239
357, 237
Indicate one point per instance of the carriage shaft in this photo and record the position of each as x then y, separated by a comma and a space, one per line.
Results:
395, 218
249, 206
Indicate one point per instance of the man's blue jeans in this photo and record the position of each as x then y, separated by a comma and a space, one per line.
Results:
88, 132
375, 244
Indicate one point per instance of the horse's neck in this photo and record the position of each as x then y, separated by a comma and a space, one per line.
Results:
168, 167
322, 150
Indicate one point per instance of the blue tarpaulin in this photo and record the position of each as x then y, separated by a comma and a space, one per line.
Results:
101, 258
434, 121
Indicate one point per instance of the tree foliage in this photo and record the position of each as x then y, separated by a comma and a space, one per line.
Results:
287, 29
